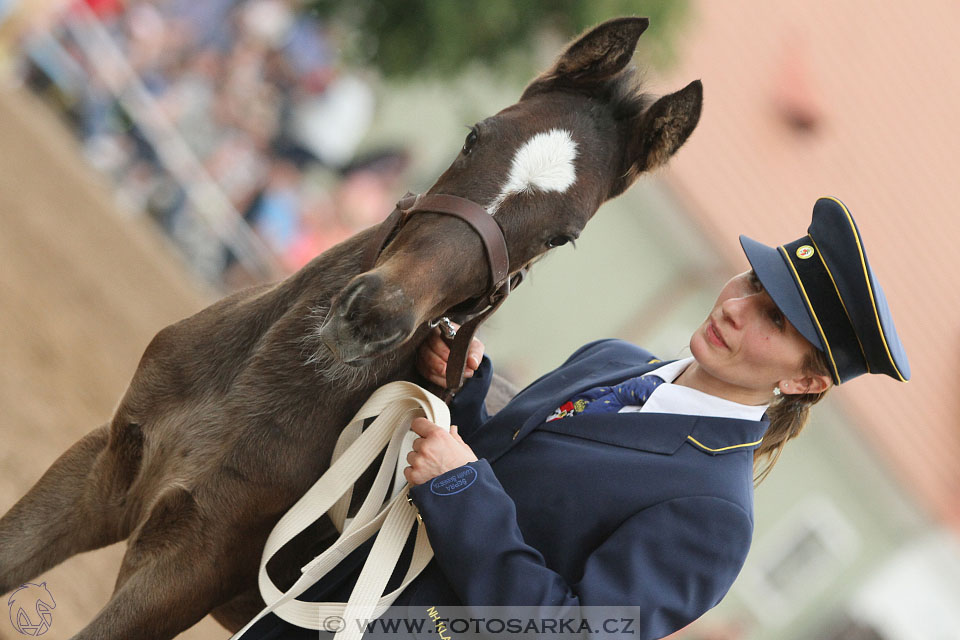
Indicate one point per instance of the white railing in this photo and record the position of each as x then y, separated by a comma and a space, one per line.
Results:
207, 199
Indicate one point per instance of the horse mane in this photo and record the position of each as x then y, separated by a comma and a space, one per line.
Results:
625, 94
622, 92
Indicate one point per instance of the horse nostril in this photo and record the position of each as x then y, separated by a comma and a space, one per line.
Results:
378, 346
364, 286
397, 326
371, 318
350, 296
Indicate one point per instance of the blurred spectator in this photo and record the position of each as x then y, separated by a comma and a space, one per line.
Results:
106, 9
255, 91
275, 215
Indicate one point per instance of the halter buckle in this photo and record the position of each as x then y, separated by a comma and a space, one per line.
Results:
446, 326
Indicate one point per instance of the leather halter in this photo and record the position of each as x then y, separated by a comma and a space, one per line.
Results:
498, 260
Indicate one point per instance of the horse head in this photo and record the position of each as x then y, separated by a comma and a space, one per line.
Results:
580, 134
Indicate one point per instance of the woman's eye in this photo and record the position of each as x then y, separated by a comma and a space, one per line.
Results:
558, 241
777, 318
469, 143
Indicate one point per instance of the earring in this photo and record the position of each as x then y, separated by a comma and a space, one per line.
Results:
776, 391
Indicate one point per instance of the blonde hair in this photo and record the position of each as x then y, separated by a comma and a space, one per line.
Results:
788, 415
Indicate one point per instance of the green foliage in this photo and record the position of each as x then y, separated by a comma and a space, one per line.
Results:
441, 37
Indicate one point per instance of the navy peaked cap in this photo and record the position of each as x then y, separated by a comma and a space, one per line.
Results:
824, 285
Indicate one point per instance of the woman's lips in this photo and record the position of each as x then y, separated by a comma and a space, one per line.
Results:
714, 336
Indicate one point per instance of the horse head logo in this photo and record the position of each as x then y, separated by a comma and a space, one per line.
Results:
30, 607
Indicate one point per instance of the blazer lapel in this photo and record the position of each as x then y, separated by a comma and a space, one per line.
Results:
523, 414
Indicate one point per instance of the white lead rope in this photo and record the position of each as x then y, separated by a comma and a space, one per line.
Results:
395, 405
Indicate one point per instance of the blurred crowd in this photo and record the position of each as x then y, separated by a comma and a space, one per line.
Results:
255, 89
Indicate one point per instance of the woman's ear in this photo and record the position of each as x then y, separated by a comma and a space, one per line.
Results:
806, 384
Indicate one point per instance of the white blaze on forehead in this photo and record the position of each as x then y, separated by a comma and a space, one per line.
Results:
544, 163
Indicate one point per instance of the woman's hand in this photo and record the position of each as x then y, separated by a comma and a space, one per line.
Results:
436, 451
434, 353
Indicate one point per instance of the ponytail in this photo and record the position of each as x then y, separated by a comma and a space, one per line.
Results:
788, 414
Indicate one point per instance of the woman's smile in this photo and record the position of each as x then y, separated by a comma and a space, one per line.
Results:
714, 336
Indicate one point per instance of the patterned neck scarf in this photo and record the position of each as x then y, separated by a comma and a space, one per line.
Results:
634, 391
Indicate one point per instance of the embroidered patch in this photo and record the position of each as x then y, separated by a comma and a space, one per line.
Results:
804, 252
448, 485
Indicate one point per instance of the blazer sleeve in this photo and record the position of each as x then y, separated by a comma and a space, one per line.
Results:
662, 567
467, 409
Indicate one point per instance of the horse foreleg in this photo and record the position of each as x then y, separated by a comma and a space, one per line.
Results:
75, 506
235, 613
284, 568
175, 571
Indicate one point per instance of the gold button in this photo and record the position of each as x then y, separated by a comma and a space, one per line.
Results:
417, 511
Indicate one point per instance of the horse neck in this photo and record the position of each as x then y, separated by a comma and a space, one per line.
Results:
328, 273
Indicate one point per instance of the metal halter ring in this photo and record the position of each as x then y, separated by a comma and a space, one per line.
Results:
446, 326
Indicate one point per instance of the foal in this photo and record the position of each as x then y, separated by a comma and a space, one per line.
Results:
232, 413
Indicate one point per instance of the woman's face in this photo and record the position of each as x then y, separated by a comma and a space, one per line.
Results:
747, 345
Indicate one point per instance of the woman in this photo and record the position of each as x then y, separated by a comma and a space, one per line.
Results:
596, 486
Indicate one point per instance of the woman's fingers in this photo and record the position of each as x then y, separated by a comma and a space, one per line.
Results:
436, 451
431, 364
434, 354
423, 427
432, 359
437, 345
474, 354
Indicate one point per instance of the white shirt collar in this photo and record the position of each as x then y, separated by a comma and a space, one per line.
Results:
677, 399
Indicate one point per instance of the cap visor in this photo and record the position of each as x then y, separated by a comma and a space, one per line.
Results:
775, 276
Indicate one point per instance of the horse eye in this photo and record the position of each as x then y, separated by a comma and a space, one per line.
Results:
469, 142
559, 241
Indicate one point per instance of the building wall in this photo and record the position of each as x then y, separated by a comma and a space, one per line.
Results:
806, 99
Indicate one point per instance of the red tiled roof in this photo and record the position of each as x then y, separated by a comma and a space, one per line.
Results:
876, 80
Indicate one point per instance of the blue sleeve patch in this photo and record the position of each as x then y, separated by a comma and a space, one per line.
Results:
453, 482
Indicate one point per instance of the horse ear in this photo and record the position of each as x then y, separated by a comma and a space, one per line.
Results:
595, 56
658, 132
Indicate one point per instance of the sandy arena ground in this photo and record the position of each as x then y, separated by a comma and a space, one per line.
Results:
82, 291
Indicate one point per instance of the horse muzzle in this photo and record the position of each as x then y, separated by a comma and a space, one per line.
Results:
370, 319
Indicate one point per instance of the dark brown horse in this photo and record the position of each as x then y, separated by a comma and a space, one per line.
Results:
233, 412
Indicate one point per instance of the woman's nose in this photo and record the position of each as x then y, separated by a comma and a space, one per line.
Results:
735, 310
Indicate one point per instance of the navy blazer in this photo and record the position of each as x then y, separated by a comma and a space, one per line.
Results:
648, 511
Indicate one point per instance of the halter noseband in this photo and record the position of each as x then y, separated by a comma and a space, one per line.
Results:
495, 247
